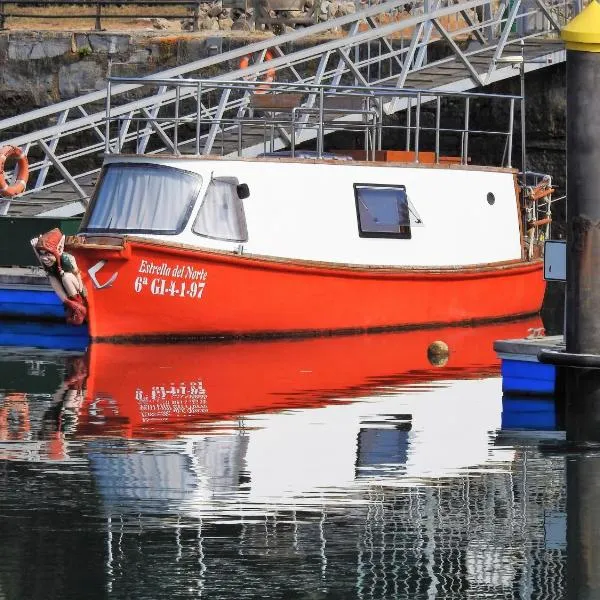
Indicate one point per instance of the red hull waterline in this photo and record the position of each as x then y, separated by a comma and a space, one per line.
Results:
150, 290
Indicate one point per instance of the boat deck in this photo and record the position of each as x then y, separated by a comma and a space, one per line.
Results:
527, 349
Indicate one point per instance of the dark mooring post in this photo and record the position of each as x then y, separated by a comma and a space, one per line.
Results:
582, 334
582, 327
583, 524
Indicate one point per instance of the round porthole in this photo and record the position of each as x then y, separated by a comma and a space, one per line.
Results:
491, 198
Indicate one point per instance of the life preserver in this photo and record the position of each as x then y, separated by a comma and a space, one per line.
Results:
267, 78
21, 175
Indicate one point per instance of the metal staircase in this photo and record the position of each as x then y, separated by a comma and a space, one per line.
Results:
440, 45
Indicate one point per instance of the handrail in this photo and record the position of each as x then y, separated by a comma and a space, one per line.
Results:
97, 6
314, 112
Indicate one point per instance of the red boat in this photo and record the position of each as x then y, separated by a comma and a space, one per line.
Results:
195, 246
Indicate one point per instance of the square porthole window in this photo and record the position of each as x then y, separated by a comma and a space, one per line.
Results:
384, 211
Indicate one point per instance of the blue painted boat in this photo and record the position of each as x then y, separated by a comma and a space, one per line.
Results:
529, 413
23, 300
527, 377
54, 336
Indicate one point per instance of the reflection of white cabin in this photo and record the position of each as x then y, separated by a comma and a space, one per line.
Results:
311, 457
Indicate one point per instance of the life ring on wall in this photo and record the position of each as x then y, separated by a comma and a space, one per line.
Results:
268, 77
21, 175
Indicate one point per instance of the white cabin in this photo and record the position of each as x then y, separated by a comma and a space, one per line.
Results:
333, 211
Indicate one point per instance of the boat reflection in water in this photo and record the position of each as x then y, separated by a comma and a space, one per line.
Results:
41, 394
219, 429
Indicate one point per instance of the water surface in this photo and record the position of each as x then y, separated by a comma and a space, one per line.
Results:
352, 467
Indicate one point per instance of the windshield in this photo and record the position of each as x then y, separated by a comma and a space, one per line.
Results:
221, 215
142, 199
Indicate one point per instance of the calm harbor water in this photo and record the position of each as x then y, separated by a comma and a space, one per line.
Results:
355, 467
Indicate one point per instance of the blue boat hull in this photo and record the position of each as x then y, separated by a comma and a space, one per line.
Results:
55, 336
528, 377
41, 304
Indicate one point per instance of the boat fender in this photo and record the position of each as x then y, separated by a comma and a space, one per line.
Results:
438, 353
268, 77
21, 174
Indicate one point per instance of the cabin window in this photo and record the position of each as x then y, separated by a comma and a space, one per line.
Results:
221, 215
142, 199
383, 211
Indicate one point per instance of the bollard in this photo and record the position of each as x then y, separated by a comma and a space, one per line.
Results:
582, 37
582, 327
583, 523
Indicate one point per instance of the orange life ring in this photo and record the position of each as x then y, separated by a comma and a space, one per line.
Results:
268, 77
21, 174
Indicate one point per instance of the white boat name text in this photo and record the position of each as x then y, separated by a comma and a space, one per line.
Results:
178, 280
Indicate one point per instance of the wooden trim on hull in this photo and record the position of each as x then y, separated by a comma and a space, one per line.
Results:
122, 250
148, 291
317, 161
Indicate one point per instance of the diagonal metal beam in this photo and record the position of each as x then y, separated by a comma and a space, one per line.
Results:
93, 126
469, 21
503, 38
342, 53
124, 129
63, 171
458, 52
41, 178
152, 114
393, 53
216, 126
548, 14
151, 117
421, 57
408, 59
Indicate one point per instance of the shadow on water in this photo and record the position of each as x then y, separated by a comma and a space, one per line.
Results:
373, 465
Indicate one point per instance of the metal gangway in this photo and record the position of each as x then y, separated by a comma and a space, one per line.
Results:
442, 45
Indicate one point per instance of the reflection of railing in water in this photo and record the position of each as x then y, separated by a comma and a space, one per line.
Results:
485, 533
290, 111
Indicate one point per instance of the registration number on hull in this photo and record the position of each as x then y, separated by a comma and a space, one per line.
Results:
169, 287
177, 281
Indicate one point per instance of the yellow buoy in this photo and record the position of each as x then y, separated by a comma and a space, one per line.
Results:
438, 353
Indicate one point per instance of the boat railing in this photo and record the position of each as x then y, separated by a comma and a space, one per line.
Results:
246, 118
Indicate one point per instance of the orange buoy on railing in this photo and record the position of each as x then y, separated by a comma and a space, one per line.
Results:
21, 174
268, 77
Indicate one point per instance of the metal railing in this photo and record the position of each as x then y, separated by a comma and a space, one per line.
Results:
453, 47
189, 10
96, 10
300, 112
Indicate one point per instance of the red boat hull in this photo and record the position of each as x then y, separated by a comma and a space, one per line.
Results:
143, 289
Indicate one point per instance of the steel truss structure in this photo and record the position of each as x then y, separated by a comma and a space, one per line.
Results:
444, 45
